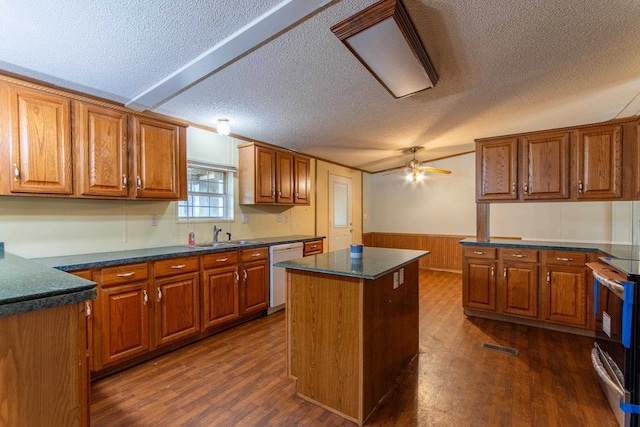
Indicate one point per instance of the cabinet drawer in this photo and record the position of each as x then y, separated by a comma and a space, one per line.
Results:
220, 259
170, 267
123, 274
480, 252
564, 258
518, 254
254, 254
312, 248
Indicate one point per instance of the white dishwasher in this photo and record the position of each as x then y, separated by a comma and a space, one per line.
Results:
278, 275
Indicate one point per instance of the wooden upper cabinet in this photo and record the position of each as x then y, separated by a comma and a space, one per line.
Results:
265, 177
302, 180
546, 166
40, 158
599, 162
284, 178
271, 176
497, 169
159, 159
100, 136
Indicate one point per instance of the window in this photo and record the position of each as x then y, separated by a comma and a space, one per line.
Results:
210, 192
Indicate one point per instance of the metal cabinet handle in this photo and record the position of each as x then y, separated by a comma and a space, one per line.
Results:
518, 255
221, 259
159, 294
145, 297
313, 246
237, 277
564, 259
256, 254
16, 172
139, 182
548, 278
297, 194
493, 271
580, 186
124, 181
273, 193
513, 188
245, 275
526, 188
177, 267
479, 252
129, 274
279, 193
505, 272
87, 309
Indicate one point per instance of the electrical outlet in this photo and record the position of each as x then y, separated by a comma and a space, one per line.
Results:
395, 280
278, 218
153, 220
402, 275
244, 218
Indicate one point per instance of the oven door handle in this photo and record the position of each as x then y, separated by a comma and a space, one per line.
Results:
603, 374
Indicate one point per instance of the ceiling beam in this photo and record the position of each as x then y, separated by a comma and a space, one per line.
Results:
237, 44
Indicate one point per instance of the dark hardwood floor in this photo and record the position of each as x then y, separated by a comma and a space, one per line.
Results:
238, 378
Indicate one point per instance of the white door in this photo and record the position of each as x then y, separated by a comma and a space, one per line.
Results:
340, 207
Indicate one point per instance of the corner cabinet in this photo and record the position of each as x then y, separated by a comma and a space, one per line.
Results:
268, 175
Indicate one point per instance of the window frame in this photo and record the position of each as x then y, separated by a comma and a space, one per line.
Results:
228, 196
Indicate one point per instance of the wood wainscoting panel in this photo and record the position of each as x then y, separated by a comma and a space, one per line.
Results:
446, 252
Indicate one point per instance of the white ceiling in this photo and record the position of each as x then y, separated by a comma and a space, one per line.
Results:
505, 66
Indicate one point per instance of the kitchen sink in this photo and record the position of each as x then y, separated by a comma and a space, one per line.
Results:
244, 242
214, 245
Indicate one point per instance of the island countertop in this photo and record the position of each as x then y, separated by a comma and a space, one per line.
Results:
375, 262
26, 285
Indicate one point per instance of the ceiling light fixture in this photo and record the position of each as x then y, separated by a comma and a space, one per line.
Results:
223, 127
384, 39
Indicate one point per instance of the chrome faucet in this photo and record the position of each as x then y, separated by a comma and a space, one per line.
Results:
216, 230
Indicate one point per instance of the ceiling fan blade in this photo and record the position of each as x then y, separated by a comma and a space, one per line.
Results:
430, 169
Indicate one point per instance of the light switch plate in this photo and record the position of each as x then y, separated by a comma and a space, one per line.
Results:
395, 280
244, 218
153, 220
402, 275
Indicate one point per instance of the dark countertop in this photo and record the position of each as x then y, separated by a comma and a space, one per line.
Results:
107, 259
616, 251
375, 262
26, 285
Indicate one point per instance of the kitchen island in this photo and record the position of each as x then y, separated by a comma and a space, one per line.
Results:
43, 369
352, 326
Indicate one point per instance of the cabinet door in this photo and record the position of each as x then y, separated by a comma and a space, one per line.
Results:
497, 169
564, 295
599, 157
177, 308
545, 173
519, 289
40, 137
220, 296
157, 159
255, 287
100, 136
265, 178
479, 284
125, 322
302, 180
284, 178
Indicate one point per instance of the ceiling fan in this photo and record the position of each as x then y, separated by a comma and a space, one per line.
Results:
415, 169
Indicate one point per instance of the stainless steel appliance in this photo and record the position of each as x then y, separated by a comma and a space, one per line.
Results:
277, 286
617, 345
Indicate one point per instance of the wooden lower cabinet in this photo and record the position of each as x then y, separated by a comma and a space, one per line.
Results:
314, 247
124, 328
519, 289
220, 299
177, 308
254, 273
542, 287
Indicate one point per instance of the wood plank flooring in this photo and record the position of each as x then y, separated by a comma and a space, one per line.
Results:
238, 378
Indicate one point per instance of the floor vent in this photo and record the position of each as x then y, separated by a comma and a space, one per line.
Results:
500, 348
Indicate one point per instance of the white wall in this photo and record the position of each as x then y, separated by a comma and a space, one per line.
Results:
40, 226
445, 204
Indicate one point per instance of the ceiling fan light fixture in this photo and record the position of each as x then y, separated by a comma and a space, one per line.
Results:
223, 127
384, 39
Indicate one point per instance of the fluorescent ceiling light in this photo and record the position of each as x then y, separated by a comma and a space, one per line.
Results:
383, 38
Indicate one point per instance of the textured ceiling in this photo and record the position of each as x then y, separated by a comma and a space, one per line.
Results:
505, 66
